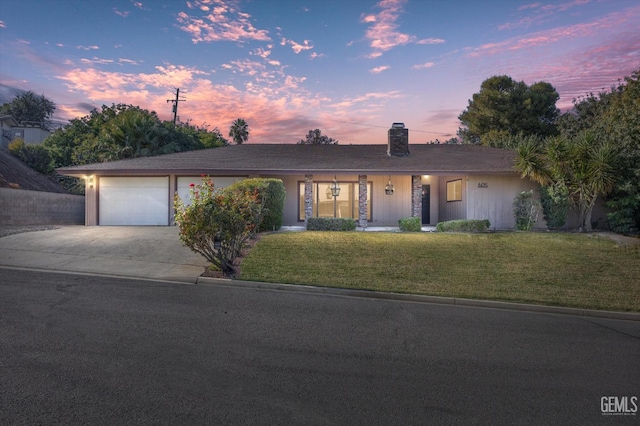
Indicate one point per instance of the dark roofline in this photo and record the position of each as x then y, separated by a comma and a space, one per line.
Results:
293, 159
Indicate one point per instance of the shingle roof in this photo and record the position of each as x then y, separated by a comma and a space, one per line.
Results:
301, 159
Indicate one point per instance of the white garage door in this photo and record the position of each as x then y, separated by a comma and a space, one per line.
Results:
134, 201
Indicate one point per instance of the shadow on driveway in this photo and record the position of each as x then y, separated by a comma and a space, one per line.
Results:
132, 251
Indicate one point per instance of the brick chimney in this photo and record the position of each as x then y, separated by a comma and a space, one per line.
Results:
398, 141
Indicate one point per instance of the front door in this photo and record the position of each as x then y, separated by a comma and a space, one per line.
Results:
426, 204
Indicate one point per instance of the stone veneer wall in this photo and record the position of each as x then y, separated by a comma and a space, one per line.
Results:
308, 197
362, 201
416, 196
22, 207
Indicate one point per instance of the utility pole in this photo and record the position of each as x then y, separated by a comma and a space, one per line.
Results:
175, 105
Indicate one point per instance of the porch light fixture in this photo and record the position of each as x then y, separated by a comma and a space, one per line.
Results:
335, 188
388, 189
90, 181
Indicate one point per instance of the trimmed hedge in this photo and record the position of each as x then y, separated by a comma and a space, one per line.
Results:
410, 224
330, 224
274, 194
464, 226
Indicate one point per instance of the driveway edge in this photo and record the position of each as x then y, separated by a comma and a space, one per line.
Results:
440, 300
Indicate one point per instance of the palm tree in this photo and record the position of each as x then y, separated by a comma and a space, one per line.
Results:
239, 131
584, 165
136, 132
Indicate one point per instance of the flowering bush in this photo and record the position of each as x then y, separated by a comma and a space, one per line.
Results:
218, 222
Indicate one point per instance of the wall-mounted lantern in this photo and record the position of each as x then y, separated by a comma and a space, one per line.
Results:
388, 189
90, 181
335, 188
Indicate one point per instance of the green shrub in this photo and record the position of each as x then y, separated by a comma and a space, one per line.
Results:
525, 210
35, 156
330, 224
555, 203
410, 224
272, 193
625, 206
465, 225
16, 146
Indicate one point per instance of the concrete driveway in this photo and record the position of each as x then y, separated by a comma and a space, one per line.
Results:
131, 251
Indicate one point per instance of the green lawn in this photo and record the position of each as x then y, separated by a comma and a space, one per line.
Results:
544, 268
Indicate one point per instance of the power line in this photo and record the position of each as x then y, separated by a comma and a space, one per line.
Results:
386, 127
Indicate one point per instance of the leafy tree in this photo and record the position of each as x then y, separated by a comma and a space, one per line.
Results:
315, 137
121, 131
614, 116
505, 107
239, 131
30, 108
217, 223
585, 165
190, 136
137, 133
450, 141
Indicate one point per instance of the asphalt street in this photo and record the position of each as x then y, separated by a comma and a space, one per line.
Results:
77, 349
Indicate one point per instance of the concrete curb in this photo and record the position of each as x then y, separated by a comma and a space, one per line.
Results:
363, 294
368, 294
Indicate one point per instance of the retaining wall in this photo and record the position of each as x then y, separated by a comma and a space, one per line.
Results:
22, 207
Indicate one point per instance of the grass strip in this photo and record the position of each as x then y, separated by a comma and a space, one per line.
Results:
559, 269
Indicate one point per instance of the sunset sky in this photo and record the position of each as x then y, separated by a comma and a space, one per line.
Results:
350, 67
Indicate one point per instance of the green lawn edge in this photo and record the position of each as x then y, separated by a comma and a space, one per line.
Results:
555, 269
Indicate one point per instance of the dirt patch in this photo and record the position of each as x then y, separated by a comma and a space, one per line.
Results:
19, 229
237, 262
17, 175
620, 239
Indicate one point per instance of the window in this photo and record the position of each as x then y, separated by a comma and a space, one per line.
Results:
325, 204
454, 190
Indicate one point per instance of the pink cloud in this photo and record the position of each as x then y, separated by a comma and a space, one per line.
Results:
95, 60
589, 71
541, 13
383, 30
263, 104
127, 61
583, 30
423, 66
297, 47
124, 14
223, 23
2, 24
378, 70
366, 102
530, 6
431, 41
